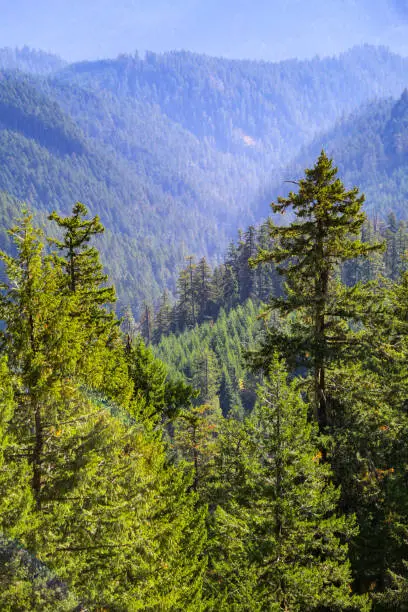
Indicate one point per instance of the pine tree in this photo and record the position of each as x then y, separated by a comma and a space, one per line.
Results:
205, 376
191, 289
183, 311
17, 591
267, 281
128, 324
103, 360
307, 253
230, 281
232, 576
369, 458
146, 323
16, 501
81, 262
195, 439
110, 516
43, 341
162, 319
391, 254
203, 289
279, 502
246, 275
83, 268
156, 398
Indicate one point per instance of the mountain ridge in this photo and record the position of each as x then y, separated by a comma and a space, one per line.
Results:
174, 152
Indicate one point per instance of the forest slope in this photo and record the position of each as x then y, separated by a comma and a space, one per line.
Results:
370, 148
173, 151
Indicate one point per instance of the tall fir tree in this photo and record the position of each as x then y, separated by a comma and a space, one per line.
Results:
278, 518
106, 502
307, 253
84, 277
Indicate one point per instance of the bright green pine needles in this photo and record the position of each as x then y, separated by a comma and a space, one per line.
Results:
93, 499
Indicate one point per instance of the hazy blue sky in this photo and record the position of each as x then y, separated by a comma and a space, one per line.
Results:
261, 29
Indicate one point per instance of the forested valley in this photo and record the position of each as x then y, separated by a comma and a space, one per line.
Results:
191, 421
241, 449
177, 151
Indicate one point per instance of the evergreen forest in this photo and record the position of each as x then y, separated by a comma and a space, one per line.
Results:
242, 448
203, 394
176, 151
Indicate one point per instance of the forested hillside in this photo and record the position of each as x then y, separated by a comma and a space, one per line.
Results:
216, 311
47, 161
371, 149
173, 151
272, 477
260, 110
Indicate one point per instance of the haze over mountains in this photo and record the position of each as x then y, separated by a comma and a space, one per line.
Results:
235, 29
370, 148
177, 151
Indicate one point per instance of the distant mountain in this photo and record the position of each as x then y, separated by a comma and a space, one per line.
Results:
47, 161
173, 151
30, 60
370, 147
261, 110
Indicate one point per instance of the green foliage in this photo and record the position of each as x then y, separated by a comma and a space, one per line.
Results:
81, 262
16, 499
369, 147
97, 503
83, 278
158, 146
108, 457
282, 509
195, 439
156, 397
307, 253
27, 584
210, 357
205, 376
258, 110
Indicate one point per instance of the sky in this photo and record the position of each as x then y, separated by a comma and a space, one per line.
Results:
271, 30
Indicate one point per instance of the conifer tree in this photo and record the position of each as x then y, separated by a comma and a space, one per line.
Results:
191, 289
103, 360
230, 282
205, 376
146, 323
83, 268
183, 311
162, 319
391, 254
279, 503
128, 324
195, 439
267, 281
372, 432
156, 398
246, 275
81, 262
110, 516
369, 457
42, 340
203, 289
16, 500
307, 253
